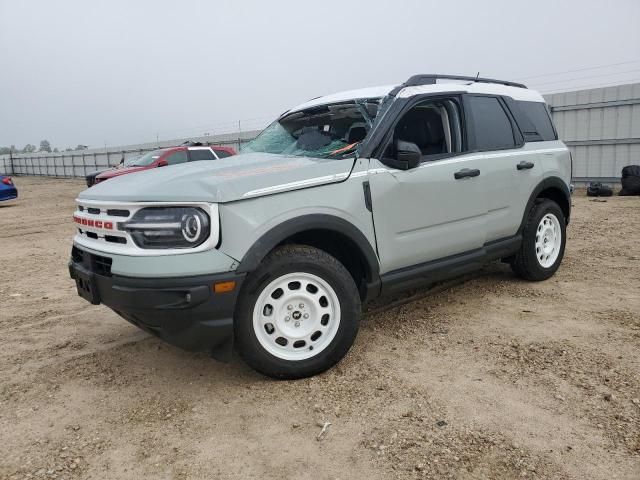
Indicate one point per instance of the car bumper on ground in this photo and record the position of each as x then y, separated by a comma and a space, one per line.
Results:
185, 312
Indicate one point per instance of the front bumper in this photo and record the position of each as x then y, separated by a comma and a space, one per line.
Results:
185, 312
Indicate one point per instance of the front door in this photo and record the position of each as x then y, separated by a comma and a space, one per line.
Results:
437, 209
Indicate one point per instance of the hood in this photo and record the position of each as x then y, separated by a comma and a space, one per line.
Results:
226, 180
115, 172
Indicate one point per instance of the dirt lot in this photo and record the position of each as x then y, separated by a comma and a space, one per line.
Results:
490, 378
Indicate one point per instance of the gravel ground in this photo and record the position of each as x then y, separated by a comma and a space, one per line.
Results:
487, 377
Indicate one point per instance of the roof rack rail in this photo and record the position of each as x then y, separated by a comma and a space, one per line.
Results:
430, 79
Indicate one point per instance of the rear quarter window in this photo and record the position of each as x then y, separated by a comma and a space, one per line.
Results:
534, 120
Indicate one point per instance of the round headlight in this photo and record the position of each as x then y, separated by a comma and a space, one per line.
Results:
191, 227
168, 227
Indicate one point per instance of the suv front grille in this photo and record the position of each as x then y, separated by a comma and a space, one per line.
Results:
100, 227
104, 214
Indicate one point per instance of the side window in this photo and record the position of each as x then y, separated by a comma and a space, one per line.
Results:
491, 125
434, 126
201, 154
221, 153
534, 121
177, 157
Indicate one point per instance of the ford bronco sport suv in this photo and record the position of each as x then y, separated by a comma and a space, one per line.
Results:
341, 199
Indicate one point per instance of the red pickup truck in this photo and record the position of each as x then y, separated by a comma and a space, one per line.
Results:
168, 156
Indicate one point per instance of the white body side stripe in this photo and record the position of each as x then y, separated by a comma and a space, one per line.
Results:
299, 184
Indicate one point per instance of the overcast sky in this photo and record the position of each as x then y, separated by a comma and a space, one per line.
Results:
121, 72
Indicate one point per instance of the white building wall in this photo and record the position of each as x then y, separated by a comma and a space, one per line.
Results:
602, 128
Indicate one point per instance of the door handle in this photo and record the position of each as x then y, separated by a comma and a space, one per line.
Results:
466, 172
525, 165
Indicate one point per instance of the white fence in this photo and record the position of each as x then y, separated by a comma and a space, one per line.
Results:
79, 163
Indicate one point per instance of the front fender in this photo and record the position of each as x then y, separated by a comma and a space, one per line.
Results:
282, 231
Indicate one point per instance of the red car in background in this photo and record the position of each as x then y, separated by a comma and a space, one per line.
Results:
169, 156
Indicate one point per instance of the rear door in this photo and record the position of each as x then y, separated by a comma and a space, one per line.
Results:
494, 135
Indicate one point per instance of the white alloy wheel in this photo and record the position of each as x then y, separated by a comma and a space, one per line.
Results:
548, 240
296, 316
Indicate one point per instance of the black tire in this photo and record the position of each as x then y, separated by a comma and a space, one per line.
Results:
525, 263
285, 260
630, 185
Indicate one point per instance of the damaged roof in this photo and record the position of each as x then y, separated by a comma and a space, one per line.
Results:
361, 93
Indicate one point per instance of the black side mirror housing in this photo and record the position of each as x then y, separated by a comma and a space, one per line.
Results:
408, 155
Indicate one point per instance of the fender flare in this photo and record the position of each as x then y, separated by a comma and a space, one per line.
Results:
286, 229
549, 182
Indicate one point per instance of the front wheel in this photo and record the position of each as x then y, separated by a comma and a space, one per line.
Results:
298, 313
543, 242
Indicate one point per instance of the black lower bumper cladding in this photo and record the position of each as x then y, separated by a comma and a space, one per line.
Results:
185, 312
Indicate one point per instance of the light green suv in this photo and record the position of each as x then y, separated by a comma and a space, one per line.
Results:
338, 201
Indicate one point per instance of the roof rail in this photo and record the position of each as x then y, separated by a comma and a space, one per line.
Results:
430, 79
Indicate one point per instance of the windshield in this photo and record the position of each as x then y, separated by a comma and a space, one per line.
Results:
146, 159
325, 131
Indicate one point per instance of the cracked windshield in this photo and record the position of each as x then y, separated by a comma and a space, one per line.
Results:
324, 131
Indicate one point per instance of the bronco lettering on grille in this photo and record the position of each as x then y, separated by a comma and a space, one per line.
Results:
87, 222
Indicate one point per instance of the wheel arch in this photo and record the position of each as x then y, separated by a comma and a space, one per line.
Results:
332, 234
552, 188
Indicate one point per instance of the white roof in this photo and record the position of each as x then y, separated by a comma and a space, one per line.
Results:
516, 93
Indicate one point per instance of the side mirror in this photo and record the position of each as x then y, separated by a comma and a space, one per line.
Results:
408, 155
163, 163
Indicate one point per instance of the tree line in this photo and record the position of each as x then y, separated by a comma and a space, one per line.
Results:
45, 146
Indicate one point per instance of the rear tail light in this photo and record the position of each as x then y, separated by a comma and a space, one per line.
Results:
7, 181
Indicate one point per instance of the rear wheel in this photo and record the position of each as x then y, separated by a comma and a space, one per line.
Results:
543, 242
298, 313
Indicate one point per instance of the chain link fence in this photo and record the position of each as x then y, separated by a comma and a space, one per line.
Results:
80, 162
